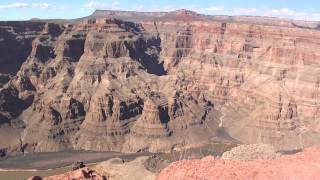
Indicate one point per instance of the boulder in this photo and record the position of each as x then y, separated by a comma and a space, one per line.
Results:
77, 165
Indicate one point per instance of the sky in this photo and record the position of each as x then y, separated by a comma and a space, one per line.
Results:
69, 9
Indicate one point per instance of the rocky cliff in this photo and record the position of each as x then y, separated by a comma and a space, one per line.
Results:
176, 80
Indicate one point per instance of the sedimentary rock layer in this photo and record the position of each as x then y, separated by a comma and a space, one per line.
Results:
157, 84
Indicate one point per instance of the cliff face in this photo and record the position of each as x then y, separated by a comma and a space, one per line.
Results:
15, 46
262, 80
108, 84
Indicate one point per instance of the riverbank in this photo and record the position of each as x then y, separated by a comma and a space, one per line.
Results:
48, 164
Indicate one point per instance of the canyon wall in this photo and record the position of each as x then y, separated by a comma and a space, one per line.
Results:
107, 84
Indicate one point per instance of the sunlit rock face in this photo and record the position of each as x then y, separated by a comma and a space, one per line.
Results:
284, 167
263, 80
156, 84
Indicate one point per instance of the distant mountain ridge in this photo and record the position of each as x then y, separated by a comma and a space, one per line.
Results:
147, 16
174, 15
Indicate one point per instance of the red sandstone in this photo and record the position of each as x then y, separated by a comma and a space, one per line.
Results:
300, 166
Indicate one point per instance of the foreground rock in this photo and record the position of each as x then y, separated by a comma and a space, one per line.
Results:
251, 152
118, 169
79, 174
77, 165
302, 166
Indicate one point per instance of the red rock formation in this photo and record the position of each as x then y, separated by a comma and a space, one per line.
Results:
82, 85
236, 64
303, 165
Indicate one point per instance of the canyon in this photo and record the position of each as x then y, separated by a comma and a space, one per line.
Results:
132, 82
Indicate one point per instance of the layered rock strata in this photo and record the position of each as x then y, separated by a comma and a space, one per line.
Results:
177, 80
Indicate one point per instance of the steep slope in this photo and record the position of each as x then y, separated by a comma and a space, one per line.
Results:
263, 80
179, 80
20, 36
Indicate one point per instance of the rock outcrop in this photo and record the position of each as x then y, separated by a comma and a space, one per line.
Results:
303, 165
79, 174
251, 152
163, 82
118, 169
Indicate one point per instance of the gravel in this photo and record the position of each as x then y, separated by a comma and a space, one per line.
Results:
251, 152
